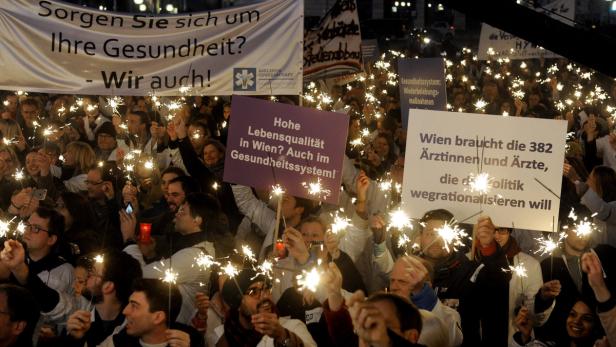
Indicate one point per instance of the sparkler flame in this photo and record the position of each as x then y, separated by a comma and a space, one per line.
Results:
309, 280
481, 183
451, 236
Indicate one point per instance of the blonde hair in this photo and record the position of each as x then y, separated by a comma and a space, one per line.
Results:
84, 155
10, 129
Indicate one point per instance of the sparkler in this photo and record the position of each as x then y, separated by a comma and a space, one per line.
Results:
481, 183
520, 271
114, 103
316, 189
398, 219
451, 235
340, 224
584, 227
99, 259
248, 254
309, 280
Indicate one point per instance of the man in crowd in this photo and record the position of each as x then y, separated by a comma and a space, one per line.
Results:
19, 313
252, 320
198, 229
150, 319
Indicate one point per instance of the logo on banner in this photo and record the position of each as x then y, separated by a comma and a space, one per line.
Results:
245, 79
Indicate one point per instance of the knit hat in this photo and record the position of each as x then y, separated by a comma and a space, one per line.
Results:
231, 294
106, 128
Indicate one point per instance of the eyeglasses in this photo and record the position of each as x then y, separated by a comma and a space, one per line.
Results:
93, 183
35, 228
255, 292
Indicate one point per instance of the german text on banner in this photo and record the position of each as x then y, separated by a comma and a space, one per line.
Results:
55, 47
298, 148
335, 47
521, 158
422, 85
501, 43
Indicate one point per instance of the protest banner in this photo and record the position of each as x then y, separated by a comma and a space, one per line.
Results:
370, 50
523, 157
513, 47
334, 48
55, 47
294, 147
422, 85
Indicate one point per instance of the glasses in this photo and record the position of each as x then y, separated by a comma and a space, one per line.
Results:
258, 291
93, 183
35, 228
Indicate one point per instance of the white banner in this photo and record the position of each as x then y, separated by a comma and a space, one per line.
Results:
335, 47
523, 156
505, 44
54, 47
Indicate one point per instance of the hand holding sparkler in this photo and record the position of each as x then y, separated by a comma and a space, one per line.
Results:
368, 321
485, 231
203, 304
13, 256
524, 324
331, 242
171, 131
377, 225
550, 290
128, 223
78, 324
592, 266
43, 161
295, 245
157, 131
332, 281
180, 127
570, 173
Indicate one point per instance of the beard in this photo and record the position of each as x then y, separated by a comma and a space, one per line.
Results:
95, 298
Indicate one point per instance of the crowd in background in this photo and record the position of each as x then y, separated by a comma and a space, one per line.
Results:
118, 229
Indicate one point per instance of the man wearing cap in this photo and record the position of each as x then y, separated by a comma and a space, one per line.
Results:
252, 319
107, 144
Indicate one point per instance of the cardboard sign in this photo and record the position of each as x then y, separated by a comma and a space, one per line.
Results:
523, 158
295, 147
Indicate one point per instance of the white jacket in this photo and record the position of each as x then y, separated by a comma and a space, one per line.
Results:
189, 276
522, 291
293, 325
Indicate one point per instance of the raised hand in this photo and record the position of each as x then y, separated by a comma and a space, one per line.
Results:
294, 242
78, 324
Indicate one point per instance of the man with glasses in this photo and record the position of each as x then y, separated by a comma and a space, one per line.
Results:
102, 182
253, 318
197, 223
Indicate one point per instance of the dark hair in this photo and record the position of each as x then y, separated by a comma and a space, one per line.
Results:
21, 306
173, 170
110, 172
606, 182
406, 312
144, 118
307, 204
214, 221
203, 125
440, 214
159, 295
188, 183
79, 209
30, 102
56, 221
219, 146
121, 269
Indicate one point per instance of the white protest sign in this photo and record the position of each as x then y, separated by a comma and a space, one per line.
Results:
523, 156
504, 44
55, 47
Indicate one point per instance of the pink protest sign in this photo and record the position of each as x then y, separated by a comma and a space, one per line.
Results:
300, 149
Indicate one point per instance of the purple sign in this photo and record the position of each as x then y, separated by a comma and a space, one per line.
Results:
300, 149
422, 85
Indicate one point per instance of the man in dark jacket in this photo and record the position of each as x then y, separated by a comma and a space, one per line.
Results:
19, 313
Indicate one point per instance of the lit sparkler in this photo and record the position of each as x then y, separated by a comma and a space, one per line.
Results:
451, 235
481, 183
309, 280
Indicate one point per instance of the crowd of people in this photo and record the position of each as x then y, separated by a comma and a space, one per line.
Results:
109, 204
